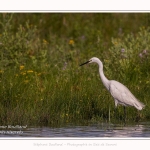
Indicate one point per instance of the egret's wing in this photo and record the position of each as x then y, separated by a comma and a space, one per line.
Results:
123, 95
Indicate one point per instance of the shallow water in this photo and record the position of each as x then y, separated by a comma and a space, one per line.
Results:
94, 130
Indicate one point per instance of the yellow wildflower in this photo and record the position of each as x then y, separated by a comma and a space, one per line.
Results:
39, 74
71, 42
1, 71
21, 67
30, 71
44, 41
115, 43
23, 73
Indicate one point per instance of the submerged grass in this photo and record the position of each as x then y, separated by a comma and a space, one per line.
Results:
41, 82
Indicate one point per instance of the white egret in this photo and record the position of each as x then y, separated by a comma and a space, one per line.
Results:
119, 92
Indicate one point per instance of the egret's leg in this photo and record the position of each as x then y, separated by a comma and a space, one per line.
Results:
137, 117
124, 114
116, 103
109, 113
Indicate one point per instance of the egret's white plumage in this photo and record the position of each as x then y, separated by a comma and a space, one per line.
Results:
120, 93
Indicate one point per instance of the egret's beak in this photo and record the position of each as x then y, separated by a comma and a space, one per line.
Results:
85, 63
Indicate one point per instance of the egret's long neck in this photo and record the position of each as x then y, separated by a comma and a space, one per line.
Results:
103, 78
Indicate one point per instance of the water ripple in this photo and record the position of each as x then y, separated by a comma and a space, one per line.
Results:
93, 130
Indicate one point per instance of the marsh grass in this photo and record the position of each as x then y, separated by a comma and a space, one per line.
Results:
41, 82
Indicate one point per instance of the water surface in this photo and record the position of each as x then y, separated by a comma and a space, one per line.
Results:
93, 130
